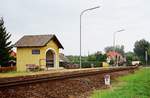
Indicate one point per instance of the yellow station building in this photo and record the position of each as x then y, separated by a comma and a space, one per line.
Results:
40, 50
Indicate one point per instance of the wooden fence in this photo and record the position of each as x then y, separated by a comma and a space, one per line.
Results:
9, 68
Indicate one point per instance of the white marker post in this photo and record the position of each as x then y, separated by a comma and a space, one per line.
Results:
146, 57
107, 80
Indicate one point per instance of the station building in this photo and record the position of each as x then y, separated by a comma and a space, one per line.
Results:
39, 50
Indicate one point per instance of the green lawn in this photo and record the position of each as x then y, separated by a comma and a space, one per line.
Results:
131, 86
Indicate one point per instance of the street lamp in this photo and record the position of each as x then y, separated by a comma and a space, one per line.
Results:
80, 29
114, 36
114, 40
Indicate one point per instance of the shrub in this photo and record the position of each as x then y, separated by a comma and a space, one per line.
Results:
86, 64
91, 64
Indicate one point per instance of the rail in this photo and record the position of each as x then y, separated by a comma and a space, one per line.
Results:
63, 76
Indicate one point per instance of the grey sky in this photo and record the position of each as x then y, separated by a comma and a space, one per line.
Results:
61, 17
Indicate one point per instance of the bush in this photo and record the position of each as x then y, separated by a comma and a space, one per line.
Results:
87, 64
98, 64
111, 62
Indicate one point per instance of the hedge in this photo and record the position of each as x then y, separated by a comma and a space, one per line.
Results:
89, 64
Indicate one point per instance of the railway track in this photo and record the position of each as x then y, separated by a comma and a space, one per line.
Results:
63, 76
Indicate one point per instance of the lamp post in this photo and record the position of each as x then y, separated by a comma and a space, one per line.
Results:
114, 36
81, 30
114, 40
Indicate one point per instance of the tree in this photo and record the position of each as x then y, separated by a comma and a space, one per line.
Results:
140, 47
92, 57
5, 45
119, 49
100, 57
131, 56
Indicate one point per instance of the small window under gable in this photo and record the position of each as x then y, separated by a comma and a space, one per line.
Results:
35, 51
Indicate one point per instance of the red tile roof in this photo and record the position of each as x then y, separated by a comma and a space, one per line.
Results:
13, 54
113, 54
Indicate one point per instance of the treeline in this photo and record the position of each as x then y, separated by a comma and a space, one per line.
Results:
94, 59
141, 52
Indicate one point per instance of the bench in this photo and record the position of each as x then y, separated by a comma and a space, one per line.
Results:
31, 67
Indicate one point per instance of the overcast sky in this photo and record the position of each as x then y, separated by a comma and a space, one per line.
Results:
61, 17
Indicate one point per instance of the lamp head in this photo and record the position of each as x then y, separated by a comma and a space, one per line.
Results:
121, 30
94, 8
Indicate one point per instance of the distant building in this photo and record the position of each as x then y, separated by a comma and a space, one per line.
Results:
13, 54
135, 62
40, 50
63, 60
113, 55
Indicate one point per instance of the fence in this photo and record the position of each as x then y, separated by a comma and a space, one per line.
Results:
9, 68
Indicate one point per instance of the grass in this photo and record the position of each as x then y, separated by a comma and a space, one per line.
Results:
131, 86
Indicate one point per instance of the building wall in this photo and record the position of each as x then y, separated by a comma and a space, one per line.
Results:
25, 56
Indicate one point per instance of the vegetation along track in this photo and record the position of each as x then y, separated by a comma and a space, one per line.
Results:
64, 76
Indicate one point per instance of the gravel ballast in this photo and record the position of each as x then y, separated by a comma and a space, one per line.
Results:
65, 88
